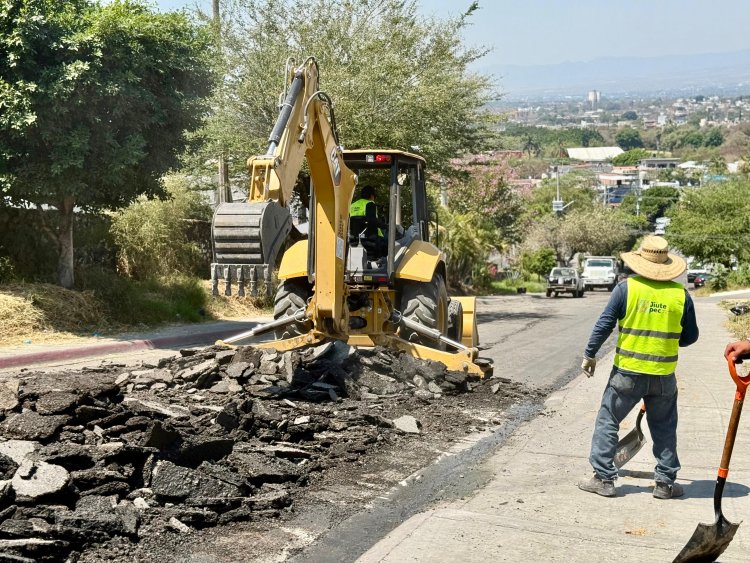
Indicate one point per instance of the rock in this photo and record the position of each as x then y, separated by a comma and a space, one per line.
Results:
18, 450
433, 387
141, 504
320, 351
268, 367
151, 408
9, 393
408, 424
172, 481
30, 425
161, 436
381, 384
302, 420
224, 357
424, 395
258, 468
495, 388
272, 499
122, 378
199, 449
159, 386
237, 370
7, 466
178, 526
456, 377
37, 479
420, 381
101, 514
220, 387
192, 374
87, 413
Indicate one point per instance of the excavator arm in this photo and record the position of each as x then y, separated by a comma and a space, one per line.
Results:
305, 128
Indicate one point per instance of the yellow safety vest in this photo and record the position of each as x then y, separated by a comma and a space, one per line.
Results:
358, 209
650, 332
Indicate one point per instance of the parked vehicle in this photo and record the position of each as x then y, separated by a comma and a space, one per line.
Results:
600, 271
692, 274
702, 279
564, 280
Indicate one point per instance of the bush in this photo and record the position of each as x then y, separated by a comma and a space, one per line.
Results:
156, 238
7, 270
740, 277
150, 302
467, 241
720, 279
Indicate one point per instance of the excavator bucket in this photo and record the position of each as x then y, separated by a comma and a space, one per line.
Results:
247, 238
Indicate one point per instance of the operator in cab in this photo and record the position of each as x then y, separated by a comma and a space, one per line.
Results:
365, 225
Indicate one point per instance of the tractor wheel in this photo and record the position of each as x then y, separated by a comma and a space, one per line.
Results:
291, 296
455, 320
427, 304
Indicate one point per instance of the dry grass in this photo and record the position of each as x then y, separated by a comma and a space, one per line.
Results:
233, 307
47, 312
737, 325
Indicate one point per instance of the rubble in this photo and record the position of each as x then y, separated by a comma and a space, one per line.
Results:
212, 436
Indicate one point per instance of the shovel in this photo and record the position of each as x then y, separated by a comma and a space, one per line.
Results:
710, 541
632, 443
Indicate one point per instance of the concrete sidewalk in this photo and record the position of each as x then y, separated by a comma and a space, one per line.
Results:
167, 339
531, 510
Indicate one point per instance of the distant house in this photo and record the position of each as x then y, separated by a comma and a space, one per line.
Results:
658, 163
594, 154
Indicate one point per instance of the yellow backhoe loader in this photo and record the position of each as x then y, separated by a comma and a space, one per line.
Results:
338, 284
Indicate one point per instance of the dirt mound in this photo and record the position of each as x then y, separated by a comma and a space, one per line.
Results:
213, 436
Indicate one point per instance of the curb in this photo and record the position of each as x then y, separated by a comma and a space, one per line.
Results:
85, 351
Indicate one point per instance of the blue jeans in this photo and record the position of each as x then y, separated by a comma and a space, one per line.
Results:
623, 392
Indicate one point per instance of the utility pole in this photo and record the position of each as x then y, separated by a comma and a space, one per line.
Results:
224, 192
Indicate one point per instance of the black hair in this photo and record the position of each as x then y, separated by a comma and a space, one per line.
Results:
367, 192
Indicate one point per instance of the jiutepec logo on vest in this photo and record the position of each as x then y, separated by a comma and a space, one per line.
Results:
647, 306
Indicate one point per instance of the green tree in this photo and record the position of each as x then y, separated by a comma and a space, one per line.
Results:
539, 262
96, 100
397, 79
630, 115
655, 202
628, 138
630, 158
576, 187
712, 223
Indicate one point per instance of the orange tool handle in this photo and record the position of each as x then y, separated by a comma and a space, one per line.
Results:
740, 382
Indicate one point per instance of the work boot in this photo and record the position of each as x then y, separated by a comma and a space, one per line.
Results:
664, 490
599, 486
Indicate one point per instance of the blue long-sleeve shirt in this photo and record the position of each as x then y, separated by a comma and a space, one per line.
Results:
615, 310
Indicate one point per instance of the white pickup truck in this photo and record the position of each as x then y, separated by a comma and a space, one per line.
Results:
600, 271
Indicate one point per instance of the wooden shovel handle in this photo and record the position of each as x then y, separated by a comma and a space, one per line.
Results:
734, 419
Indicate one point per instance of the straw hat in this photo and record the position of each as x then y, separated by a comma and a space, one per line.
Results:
653, 261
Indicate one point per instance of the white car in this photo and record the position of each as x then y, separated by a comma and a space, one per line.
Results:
600, 271
564, 280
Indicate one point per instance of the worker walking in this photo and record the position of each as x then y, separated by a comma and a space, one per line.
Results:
655, 317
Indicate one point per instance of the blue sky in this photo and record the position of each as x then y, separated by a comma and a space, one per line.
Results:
533, 32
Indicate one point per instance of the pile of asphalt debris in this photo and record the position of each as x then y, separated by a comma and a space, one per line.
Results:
212, 436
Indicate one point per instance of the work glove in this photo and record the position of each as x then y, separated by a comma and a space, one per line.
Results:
588, 365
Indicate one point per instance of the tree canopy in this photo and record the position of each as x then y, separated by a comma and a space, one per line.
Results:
628, 138
712, 223
397, 79
95, 102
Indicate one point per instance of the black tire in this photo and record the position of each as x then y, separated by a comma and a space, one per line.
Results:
455, 320
291, 296
549, 293
555, 294
427, 304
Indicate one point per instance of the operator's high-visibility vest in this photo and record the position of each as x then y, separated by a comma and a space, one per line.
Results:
358, 209
650, 331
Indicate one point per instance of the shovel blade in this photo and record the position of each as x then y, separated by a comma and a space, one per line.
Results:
708, 541
630, 445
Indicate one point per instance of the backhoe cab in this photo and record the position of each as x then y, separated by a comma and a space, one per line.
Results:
339, 283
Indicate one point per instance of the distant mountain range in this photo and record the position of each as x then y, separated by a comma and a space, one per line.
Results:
709, 73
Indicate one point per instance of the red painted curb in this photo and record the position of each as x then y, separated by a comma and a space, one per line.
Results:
76, 352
